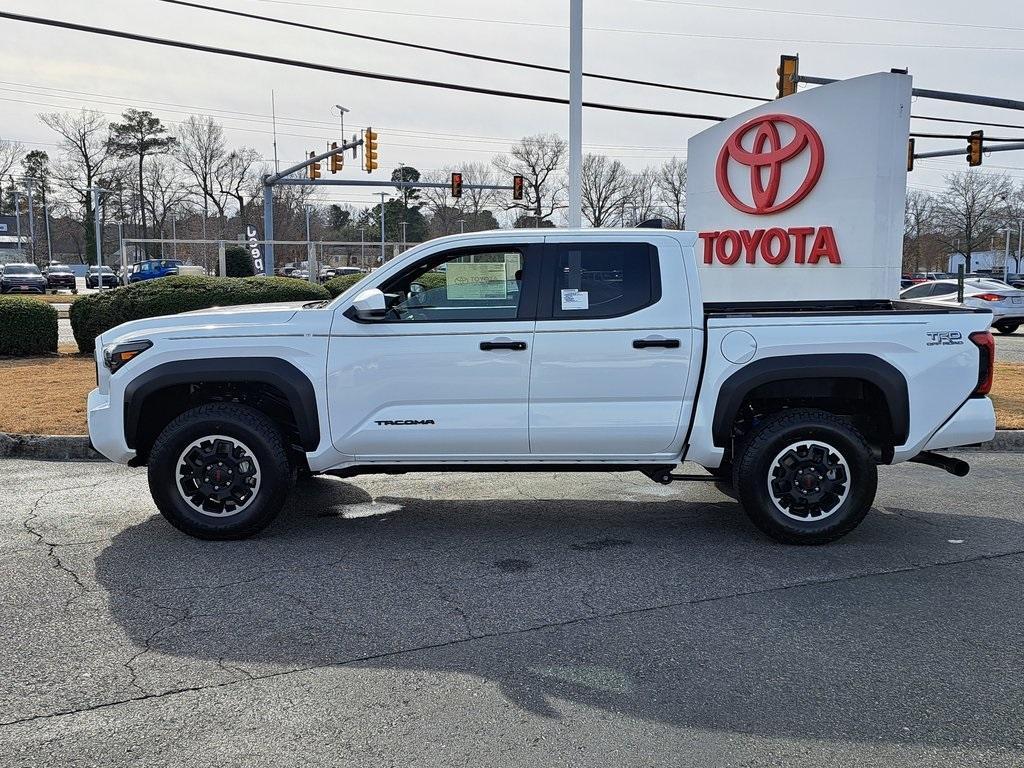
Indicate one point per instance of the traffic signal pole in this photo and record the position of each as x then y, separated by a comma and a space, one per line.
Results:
926, 93
281, 177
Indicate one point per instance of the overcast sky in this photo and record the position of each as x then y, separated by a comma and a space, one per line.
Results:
733, 46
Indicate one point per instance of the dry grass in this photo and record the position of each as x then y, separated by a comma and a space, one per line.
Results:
47, 395
1008, 395
51, 298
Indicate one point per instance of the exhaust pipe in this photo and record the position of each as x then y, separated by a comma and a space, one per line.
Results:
957, 467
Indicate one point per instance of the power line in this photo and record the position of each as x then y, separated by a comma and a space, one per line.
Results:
968, 122
462, 54
818, 14
299, 122
346, 71
647, 32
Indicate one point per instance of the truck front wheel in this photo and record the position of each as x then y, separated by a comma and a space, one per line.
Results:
805, 476
220, 471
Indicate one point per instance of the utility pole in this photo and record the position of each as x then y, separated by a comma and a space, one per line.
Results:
1020, 236
462, 226
98, 232
362, 248
405, 225
575, 113
17, 211
312, 267
46, 220
31, 219
174, 234
382, 196
1006, 255
273, 117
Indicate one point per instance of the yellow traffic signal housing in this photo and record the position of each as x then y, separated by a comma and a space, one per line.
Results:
314, 168
789, 67
369, 150
517, 187
337, 161
910, 156
456, 185
975, 148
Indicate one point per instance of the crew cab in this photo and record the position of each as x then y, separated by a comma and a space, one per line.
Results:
587, 350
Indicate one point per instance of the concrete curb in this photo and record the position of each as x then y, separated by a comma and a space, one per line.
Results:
77, 448
47, 447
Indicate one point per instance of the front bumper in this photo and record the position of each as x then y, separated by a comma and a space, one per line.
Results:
974, 423
106, 428
23, 287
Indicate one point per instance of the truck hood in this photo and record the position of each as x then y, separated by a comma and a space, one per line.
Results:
235, 319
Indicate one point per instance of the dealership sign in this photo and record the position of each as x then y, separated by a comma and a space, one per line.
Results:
814, 182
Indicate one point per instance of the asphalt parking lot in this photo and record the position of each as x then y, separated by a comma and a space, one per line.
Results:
511, 620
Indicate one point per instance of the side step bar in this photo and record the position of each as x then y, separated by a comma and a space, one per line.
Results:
665, 477
957, 467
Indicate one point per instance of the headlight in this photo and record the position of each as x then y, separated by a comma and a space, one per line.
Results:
116, 355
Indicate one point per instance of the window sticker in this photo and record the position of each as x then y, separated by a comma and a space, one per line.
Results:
573, 298
484, 280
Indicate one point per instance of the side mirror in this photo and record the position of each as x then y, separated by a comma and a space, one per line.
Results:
370, 304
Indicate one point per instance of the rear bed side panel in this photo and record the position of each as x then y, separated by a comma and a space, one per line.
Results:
940, 376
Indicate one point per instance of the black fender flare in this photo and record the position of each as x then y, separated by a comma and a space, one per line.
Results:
889, 380
295, 385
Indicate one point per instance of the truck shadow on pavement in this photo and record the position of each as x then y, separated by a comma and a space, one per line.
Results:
659, 609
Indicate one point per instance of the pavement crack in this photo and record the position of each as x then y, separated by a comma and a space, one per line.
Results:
250, 678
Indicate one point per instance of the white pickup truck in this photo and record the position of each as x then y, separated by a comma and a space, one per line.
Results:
567, 350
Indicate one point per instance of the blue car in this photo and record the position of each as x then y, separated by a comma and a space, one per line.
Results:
152, 269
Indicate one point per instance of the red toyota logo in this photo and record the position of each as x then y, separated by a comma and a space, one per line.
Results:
767, 152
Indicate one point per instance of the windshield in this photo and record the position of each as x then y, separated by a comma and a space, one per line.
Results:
104, 270
21, 269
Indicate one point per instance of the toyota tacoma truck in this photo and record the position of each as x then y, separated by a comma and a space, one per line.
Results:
527, 350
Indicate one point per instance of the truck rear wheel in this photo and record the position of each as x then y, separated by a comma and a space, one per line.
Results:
805, 476
1007, 328
220, 471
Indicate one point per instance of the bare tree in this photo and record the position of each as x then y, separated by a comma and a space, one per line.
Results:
919, 222
540, 160
201, 150
606, 186
443, 210
11, 153
237, 176
141, 135
85, 158
671, 183
166, 192
970, 210
478, 200
643, 200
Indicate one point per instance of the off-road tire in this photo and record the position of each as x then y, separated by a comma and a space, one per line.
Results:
767, 456
255, 433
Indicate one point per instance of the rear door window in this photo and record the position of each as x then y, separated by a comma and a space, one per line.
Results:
602, 280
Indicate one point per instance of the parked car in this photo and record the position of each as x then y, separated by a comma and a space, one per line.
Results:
590, 350
1005, 302
22, 278
98, 277
60, 277
152, 269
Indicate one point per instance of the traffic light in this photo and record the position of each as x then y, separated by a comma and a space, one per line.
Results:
974, 148
910, 156
789, 67
314, 168
337, 161
456, 185
369, 150
517, 187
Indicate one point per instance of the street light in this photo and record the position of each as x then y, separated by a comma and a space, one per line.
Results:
341, 115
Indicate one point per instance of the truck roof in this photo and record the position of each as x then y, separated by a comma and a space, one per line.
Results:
512, 235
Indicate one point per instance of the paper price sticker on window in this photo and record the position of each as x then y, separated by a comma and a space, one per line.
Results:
573, 298
476, 281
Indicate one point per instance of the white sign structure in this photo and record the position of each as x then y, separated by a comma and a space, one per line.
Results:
802, 199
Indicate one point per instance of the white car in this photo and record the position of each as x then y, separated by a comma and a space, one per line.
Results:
1004, 301
543, 350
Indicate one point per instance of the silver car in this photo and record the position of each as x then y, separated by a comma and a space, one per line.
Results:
1005, 302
